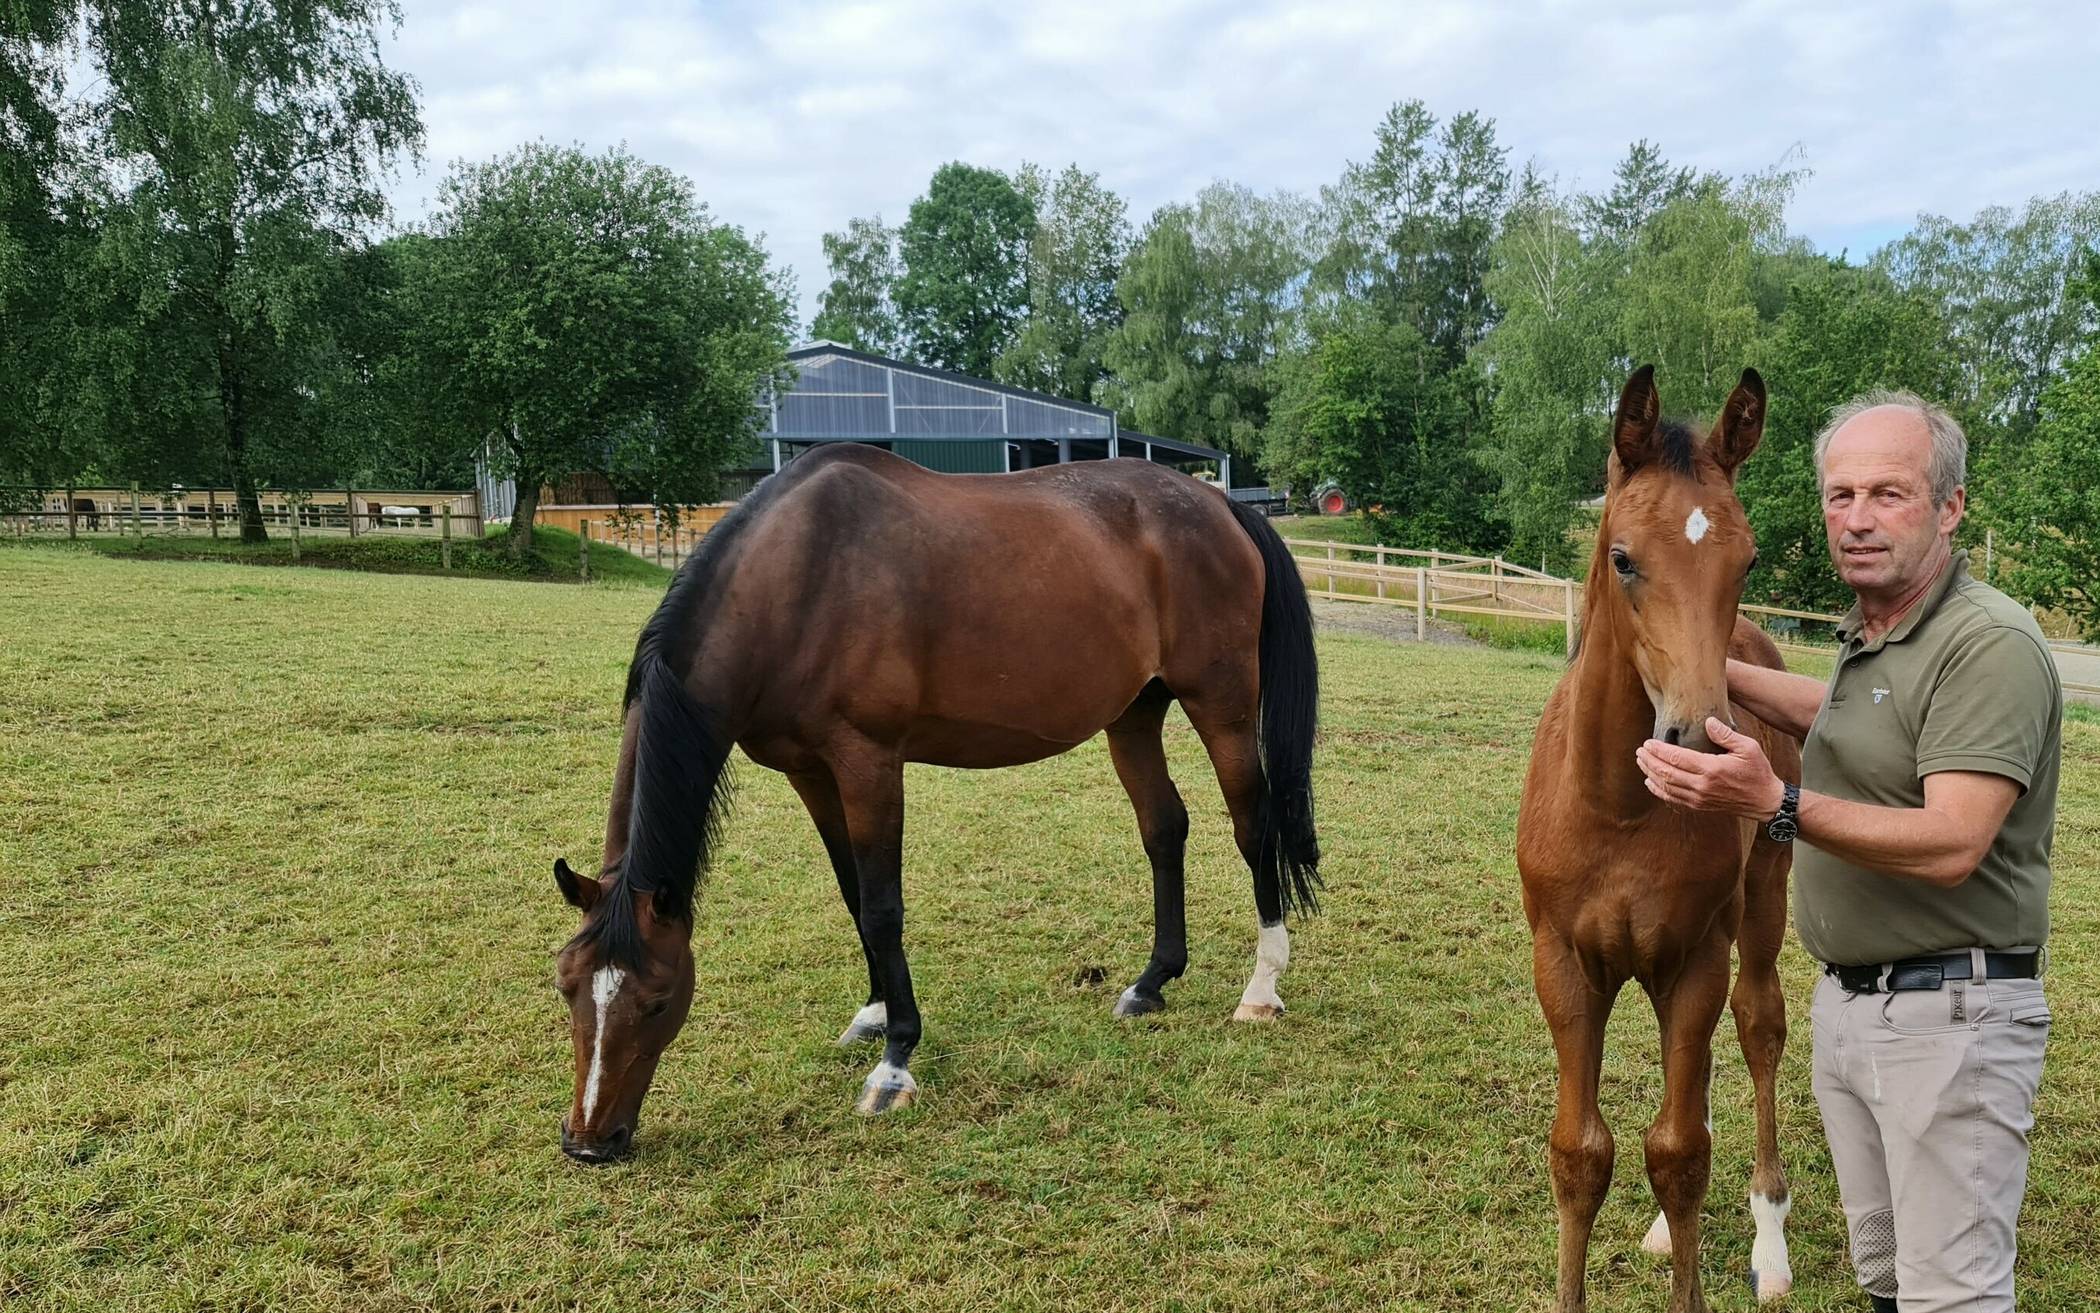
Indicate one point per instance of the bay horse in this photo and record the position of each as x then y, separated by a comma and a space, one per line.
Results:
858, 612
1619, 886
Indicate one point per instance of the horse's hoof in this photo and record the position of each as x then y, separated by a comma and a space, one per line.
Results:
1136, 1003
1657, 1241
1257, 1012
871, 1022
887, 1089
1768, 1286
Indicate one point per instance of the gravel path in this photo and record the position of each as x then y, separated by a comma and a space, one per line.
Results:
1394, 623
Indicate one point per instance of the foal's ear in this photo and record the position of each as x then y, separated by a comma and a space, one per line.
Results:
1741, 425
1636, 429
578, 892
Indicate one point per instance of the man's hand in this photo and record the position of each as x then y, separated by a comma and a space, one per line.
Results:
1738, 780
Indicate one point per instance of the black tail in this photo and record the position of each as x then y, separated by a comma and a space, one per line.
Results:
1288, 872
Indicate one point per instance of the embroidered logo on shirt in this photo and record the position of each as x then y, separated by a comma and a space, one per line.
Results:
1879, 694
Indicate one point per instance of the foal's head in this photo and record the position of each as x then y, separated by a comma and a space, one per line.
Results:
1674, 549
627, 977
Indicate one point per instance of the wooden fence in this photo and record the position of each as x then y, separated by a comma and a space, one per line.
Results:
645, 533
1434, 584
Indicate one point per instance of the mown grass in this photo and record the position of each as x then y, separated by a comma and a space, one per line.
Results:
276, 1029
554, 556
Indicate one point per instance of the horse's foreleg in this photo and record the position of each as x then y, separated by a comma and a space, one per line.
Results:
1759, 1004
1679, 1143
820, 794
1163, 824
871, 789
1580, 1151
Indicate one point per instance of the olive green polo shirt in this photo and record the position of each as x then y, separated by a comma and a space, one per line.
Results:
1964, 682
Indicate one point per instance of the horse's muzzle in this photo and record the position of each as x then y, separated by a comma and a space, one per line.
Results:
598, 1153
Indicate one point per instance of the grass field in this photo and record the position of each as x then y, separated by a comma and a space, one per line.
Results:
276, 1029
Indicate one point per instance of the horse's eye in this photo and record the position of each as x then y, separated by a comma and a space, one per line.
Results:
656, 1009
1621, 562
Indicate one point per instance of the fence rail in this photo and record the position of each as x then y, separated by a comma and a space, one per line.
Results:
140, 510
1437, 583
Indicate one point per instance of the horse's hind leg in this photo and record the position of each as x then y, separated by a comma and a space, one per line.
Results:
1163, 823
820, 794
1760, 1026
1236, 757
871, 789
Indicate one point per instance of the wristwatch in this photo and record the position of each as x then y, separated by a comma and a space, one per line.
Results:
1787, 824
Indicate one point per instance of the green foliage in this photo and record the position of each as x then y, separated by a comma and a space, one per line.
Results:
2053, 507
1368, 407
856, 308
1685, 303
1081, 235
965, 255
1207, 293
590, 316
552, 557
1844, 331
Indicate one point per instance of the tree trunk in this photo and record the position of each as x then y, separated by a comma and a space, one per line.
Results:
519, 540
232, 403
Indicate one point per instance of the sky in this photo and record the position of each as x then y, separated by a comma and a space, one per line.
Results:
791, 117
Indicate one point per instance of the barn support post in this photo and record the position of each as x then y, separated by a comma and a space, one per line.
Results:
1225, 474
776, 455
1064, 451
445, 536
1421, 605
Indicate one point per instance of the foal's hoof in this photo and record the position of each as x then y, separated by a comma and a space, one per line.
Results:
887, 1089
1257, 1012
871, 1022
1136, 1002
1657, 1241
1768, 1286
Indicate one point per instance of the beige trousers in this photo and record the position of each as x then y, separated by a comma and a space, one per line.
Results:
1927, 1098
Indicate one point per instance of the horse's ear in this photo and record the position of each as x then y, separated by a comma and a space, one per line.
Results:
1636, 433
578, 892
1741, 425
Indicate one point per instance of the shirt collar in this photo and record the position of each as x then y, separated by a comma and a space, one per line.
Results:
1956, 569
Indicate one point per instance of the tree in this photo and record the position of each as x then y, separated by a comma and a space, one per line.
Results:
1367, 407
965, 254
2053, 507
858, 308
1685, 300
249, 142
592, 317
1081, 234
1207, 293
1643, 186
1844, 331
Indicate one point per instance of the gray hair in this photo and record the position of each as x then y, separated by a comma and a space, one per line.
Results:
1950, 446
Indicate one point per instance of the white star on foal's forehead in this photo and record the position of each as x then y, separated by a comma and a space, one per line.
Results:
1695, 525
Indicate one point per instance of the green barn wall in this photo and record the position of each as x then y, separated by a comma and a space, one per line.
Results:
955, 457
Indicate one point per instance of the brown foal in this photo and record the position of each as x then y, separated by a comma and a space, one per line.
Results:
1619, 886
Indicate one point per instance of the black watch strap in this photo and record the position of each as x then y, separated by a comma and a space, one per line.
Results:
1784, 827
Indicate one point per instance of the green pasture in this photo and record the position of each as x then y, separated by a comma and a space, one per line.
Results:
277, 1030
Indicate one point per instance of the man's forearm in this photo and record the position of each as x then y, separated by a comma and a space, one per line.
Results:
1913, 843
1786, 702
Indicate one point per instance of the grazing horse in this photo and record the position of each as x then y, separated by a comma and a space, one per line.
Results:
858, 612
1619, 886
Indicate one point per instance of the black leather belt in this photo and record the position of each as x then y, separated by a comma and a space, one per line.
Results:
1929, 972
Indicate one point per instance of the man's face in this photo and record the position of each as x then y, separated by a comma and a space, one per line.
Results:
1884, 528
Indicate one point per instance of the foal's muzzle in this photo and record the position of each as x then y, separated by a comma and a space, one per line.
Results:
597, 1153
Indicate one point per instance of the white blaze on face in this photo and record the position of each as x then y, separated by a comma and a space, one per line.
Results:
1696, 525
605, 986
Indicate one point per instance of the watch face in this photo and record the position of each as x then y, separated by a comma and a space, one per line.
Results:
1782, 830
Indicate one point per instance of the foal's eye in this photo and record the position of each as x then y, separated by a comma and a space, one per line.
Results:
1621, 562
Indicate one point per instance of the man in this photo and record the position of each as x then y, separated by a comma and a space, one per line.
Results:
1925, 813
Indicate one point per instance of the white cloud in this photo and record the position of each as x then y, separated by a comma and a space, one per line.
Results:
792, 117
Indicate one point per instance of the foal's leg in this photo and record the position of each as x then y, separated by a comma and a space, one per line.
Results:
820, 794
871, 788
1236, 757
1580, 1152
1163, 823
1760, 1026
1679, 1143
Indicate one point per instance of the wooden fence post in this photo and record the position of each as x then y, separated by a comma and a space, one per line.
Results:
350, 510
138, 528
1498, 581
444, 536
659, 515
211, 509
583, 548
1421, 605
1568, 616
72, 516
1330, 569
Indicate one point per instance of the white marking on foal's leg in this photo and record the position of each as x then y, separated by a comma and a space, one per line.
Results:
1769, 1270
868, 1023
1696, 524
605, 986
887, 1088
1272, 953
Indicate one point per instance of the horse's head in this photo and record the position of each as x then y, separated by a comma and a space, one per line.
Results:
1674, 549
627, 977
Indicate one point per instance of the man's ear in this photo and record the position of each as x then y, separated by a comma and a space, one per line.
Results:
578, 892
